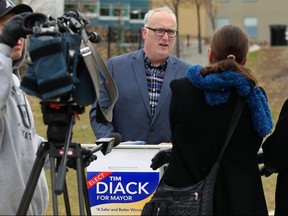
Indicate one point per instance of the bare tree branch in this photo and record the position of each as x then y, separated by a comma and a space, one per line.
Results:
212, 7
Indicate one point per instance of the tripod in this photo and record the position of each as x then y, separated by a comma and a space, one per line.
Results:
60, 148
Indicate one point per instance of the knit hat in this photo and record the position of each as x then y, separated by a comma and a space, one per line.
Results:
7, 6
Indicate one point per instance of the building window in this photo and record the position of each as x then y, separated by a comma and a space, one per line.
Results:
137, 13
119, 11
251, 26
219, 22
114, 10
88, 7
104, 10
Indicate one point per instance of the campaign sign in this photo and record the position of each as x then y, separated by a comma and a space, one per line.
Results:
120, 193
121, 182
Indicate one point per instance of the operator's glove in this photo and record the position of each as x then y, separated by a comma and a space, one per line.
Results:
260, 158
161, 158
263, 170
87, 158
12, 30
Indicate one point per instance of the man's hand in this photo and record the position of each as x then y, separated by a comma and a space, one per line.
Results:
161, 158
12, 30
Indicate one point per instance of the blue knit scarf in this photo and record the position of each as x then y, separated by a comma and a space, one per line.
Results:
217, 90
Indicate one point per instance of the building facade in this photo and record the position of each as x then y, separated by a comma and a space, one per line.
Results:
114, 13
263, 20
260, 18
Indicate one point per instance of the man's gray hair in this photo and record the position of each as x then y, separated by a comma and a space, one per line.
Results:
150, 13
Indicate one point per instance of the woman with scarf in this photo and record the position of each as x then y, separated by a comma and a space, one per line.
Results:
201, 109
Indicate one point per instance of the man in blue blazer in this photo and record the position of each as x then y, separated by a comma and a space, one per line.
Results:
142, 78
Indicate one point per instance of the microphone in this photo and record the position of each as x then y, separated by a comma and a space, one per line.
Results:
107, 144
94, 37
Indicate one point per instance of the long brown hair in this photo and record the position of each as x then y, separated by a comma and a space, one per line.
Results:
229, 45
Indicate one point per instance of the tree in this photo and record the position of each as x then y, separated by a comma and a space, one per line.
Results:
198, 3
174, 5
212, 7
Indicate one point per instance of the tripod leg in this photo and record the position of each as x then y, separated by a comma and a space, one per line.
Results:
53, 179
62, 167
85, 193
80, 185
33, 179
66, 199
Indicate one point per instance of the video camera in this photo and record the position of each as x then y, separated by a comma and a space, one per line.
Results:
64, 67
55, 61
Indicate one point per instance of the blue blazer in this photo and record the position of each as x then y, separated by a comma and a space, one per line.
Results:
132, 114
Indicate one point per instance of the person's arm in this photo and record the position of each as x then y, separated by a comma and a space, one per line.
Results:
6, 77
11, 32
275, 147
100, 129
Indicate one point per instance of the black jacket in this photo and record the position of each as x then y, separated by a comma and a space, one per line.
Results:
198, 134
275, 150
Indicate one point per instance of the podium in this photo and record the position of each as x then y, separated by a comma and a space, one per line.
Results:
121, 182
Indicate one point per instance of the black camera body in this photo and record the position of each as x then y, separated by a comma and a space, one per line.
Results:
56, 72
56, 69
63, 65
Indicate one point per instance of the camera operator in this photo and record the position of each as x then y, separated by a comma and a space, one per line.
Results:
18, 139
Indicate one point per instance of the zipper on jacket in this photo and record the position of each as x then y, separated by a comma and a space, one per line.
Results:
158, 211
196, 195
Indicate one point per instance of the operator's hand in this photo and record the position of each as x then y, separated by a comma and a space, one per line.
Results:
161, 158
12, 30
87, 158
265, 172
260, 158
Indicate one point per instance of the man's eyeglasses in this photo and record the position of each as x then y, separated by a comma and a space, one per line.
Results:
162, 31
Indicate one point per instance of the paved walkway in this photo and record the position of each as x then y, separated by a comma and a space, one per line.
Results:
191, 54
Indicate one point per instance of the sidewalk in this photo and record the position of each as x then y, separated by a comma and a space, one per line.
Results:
191, 54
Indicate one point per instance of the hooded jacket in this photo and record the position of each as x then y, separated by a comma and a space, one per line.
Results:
18, 142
